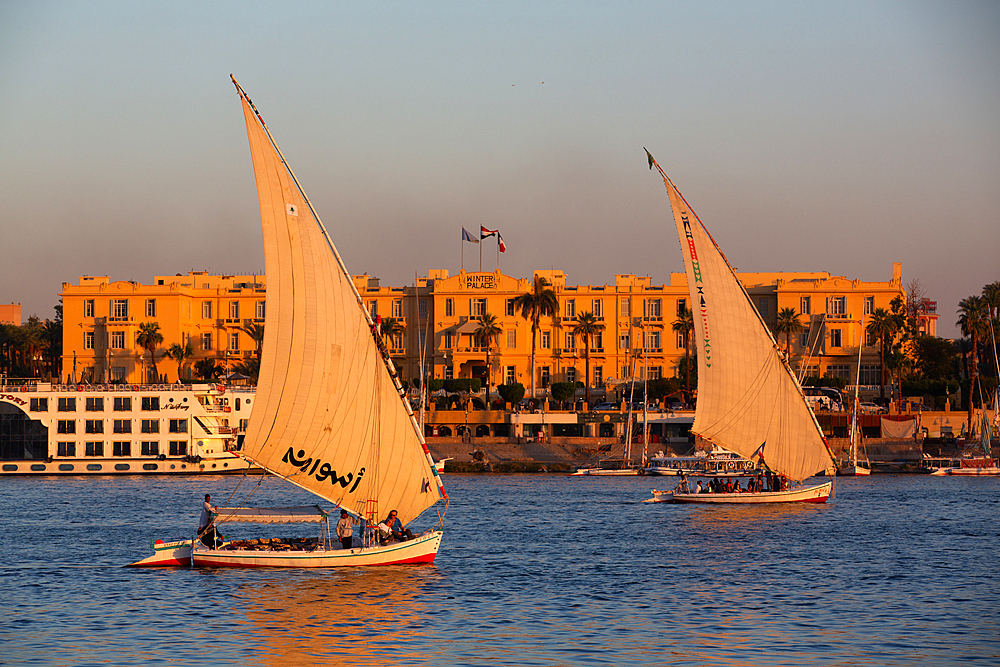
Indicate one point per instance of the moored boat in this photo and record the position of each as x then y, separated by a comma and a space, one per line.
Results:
749, 400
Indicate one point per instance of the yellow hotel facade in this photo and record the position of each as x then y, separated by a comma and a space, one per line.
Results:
439, 312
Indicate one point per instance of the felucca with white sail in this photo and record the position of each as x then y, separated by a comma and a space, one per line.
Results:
749, 401
330, 414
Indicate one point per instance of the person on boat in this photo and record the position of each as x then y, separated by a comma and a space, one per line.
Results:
345, 529
207, 513
729, 486
396, 528
700, 488
682, 487
751, 485
209, 534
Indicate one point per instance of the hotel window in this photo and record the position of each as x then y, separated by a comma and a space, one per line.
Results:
655, 372
373, 309
839, 371
260, 309
546, 341
178, 426
449, 308
95, 449
838, 305
66, 426
651, 309
117, 373
206, 310
422, 309
836, 337
397, 308
178, 448
150, 307
423, 340
623, 341
570, 309
123, 426
150, 426
234, 342
804, 337
598, 376
511, 308
869, 305
39, 405
805, 305
545, 377
121, 448
624, 372
599, 340
119, 308
449, 373
653, 340
234, 310
869, 375
763, 305
67, 405
511, 338
88, 340
123, 403
66, 449
88, 308
871, 340
570, 375
397, 341
625, 306
682, 305
681, 340
206, 341
477, 307
150, 448
95, 404
511, 375
117, 340
150, 403
449, 340
94, 426
598, 307
570, 341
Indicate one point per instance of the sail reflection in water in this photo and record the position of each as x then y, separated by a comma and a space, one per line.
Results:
356, 617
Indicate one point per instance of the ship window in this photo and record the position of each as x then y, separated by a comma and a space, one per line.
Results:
178, 448
66, 448
150, 403
149, 466
122, 466
39, 405
122, 448
94, 426
123, 403
94, 466
178, 426
150, 425
66, 426
67, 405
95, 448
123, 426
66, 467
95, 404
150, 448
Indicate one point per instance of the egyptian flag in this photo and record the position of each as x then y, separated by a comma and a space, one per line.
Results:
486, 233
503, 248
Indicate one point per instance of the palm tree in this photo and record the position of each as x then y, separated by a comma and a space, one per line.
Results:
882, 327
587, 326
390, 327
540, 302
256, 333
684, 325
206, 369
487, 332
973, 319
788, 323
180, 353
149, 338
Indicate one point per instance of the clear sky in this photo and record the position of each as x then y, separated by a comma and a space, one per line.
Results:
808, 136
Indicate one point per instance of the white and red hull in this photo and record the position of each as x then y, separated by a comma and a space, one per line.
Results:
853, 471
167, 554
600, 472
808, 494
421, 549
970, 471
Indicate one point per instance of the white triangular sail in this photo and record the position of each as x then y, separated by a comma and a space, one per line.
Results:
747, 394
327, 415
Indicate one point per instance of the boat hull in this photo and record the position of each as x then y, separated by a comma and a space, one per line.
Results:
167, 554
809, 494
421, 549
853, 471
971, 471
599, 472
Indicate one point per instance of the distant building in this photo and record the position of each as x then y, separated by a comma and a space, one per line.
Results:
101, 320
10, 313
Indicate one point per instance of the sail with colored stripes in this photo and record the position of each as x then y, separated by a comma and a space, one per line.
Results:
749, 401
328, 415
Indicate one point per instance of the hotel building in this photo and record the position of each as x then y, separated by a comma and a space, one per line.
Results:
439, 312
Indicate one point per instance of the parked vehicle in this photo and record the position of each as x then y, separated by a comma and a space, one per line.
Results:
870, 408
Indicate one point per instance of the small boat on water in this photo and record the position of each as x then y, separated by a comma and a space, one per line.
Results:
330, 415
857, 464
749, 400
718, 463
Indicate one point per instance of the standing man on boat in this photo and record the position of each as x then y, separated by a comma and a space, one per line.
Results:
207, 513
345, 529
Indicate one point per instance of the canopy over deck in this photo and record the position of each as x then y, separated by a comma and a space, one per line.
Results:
304, 514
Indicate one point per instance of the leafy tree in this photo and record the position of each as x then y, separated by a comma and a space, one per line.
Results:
486, 332
684, 325
207, 369
435, 384
256, 333
540, 302
788, 323
688, 367
249, 367
935, 358
180, 354
587, 326
562, 391
511, 393
149, 338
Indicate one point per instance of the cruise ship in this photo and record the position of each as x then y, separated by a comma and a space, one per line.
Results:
121, 429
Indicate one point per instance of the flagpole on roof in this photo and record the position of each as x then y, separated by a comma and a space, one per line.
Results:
480, 257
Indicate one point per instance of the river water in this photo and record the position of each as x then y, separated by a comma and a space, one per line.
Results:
533, 570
